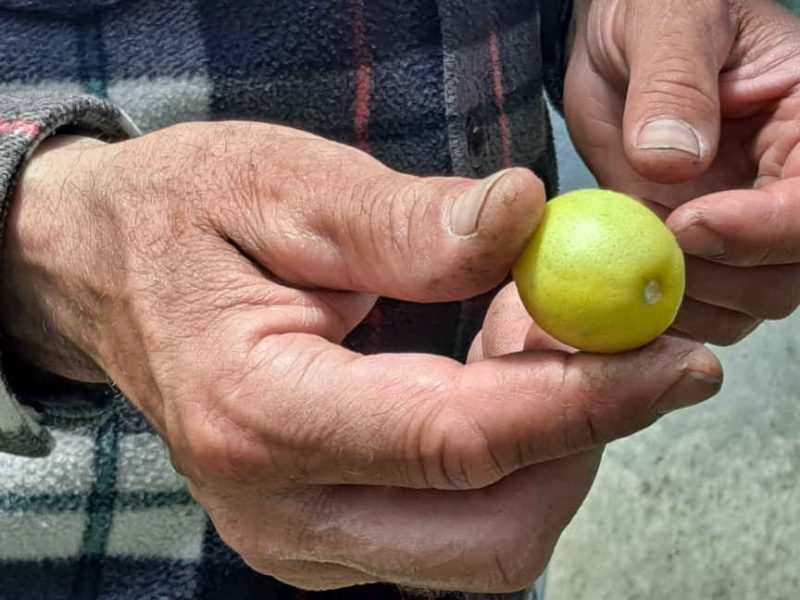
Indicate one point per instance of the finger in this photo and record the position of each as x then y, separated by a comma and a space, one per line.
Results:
491, 539
327, 415
325, 215
771, 292
744, 227
712, 324
594, 112
509, 328
672, 111
498, 539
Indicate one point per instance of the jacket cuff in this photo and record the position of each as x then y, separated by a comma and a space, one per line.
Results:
26, 120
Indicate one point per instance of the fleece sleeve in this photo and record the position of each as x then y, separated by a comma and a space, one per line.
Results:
556, 21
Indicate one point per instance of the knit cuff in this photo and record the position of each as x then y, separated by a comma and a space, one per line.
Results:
26, 120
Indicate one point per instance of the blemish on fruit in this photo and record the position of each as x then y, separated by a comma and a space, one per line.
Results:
652, 292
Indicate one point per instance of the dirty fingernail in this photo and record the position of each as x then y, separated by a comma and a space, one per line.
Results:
466, 210
670, 134
692, 388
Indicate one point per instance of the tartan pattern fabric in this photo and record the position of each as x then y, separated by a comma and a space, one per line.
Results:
428, 87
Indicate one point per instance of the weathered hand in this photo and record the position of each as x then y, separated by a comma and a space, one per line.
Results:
694, 107
211, 271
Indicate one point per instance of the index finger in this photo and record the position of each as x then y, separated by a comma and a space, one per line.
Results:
743, 228
325, 415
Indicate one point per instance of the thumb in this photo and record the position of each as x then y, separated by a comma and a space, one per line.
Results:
675, 50
352, 224
443, 238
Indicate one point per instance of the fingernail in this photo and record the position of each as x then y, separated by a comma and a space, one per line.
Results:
692, 388
670, 134
466, 210
698, 240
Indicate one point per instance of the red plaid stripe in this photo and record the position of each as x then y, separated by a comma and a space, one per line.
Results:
20, 126
499, 97
361, 104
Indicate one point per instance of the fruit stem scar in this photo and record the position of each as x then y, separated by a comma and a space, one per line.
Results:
652, 292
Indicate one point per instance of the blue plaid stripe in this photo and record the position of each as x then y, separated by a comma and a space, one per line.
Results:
22, 38
133, 51
282, 61
92, 67
55, 503
100, 509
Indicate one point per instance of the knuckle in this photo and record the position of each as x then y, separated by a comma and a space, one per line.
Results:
414, 225
585, 399
205, 449
214, 447
463, 456
768, 251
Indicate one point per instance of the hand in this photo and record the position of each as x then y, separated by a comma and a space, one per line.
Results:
211, 271
694, 107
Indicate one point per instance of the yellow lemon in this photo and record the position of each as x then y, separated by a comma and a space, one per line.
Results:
602, 273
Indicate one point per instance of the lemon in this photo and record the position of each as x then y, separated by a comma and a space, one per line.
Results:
602, 273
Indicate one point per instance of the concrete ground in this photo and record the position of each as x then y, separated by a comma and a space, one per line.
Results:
705, 505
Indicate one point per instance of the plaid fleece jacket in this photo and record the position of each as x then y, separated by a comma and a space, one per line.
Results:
90, 506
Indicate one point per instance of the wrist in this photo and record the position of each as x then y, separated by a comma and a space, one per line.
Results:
48, 291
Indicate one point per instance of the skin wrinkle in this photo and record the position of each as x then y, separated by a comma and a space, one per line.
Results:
458, 414
293, 375
413, 234
776, 224
754, 33
504, 577
414, 451
565, 407
420, 410
774, 157
398, 229
668, 79
497, 469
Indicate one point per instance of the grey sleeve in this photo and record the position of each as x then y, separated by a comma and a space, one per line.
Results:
25, 120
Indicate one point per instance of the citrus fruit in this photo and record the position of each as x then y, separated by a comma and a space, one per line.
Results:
602, 273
